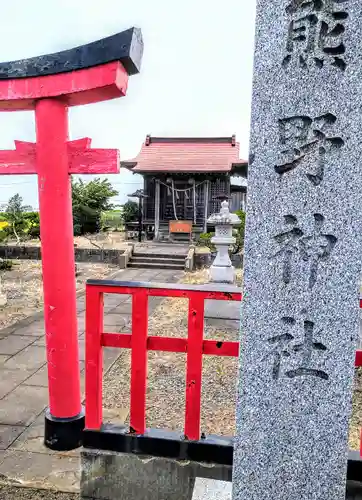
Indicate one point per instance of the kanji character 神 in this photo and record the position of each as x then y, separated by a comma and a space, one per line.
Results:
315, 248
289, 241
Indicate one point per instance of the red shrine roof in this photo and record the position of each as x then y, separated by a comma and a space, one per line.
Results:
182, 154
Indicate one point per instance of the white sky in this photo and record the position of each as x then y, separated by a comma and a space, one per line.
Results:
195, 78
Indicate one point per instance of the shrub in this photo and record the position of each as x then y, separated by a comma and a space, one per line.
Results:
6, 265
241, 229
32, 222
205, 241
130, 211
89, 201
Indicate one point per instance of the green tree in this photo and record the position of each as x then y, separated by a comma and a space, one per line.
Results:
15, 216
241, 229
130, 211
89, 201
32, 224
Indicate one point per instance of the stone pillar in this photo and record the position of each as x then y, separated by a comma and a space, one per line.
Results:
300, 311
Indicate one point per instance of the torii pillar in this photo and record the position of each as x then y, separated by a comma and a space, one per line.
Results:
49, 84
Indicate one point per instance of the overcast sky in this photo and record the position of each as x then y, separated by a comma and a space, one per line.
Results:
195, 78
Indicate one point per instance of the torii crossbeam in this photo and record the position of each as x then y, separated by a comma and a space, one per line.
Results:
49, 84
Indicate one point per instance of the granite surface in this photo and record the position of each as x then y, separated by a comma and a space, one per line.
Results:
300, 316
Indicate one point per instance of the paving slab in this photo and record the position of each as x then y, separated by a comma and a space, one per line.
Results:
122, 308
3, 359
30, 358
110, 354
40, 377
81, 322
14, 343
57, 472
114, 319
23, 405
35, 329
222, 309
40, 342
8, 434
10, 379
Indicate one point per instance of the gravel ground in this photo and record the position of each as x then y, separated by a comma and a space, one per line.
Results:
355, 426
24, 289
14, 493
166, 374
166, 377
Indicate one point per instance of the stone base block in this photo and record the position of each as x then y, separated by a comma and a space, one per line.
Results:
108, 475
122, 476
220, 274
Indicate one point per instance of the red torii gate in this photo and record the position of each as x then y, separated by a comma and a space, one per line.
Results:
49, 85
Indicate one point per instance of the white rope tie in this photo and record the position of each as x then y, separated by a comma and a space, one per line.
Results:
175, 194
173, 199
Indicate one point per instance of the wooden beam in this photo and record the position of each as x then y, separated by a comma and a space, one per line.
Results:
82, 159
84, 86
206, 198
157, 209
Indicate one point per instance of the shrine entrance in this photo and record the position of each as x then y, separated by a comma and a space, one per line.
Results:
49, 85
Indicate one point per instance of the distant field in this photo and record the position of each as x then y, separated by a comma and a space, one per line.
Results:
113, 219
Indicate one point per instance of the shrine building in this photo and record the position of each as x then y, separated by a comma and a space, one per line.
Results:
184, 180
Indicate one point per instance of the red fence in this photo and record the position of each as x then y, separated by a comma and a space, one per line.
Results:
140, 342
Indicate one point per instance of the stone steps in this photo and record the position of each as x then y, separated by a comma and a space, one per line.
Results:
155, 265
178, 257
143, 260
158, 260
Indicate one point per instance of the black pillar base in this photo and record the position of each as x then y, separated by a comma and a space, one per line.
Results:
63, 434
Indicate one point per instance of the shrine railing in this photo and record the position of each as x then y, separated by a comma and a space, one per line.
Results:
140, 342
194, 346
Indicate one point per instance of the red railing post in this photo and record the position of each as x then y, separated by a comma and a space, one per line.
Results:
139, 361
194, 366
94, 357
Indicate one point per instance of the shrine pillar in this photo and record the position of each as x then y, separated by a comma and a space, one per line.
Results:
56, 230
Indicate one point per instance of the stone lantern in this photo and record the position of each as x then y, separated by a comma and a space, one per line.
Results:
222, 270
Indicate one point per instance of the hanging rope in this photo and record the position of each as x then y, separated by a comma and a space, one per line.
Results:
181, 190
173, 199
175, 195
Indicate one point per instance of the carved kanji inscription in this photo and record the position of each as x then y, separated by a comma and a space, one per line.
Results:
316, 33
305, 140
296, 246
296, 338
